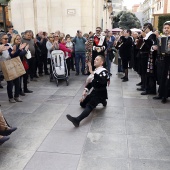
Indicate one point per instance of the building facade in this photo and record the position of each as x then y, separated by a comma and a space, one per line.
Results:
65, 15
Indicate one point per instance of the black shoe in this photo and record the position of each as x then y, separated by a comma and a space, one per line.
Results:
139, 84
28, 91
84, 74
8, 132
77, 74
104, 103
3, 139
22, 93
140, 89
125, 79
73, 120
157, 97
73, 69
41, 75
110, 74
164, 100
1, 87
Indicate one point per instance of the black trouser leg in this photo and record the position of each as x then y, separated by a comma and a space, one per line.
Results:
31, 63
68, 65
85, 113
25, 78
40, 65
10, 89
17, 86
20, 84
44, 57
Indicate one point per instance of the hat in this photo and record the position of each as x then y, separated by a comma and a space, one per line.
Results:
1, 35
167, 23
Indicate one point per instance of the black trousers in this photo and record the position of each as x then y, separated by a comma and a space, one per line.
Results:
13, 83
24, 79
68, 65
31, 63
44, 63
164, 84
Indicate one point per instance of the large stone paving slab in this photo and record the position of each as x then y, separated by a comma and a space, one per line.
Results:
102, 163
70, 142
145, 164
140, 113
106, 145
52, 161
26, 139
14, 158
154, 148
144, 128
108, 125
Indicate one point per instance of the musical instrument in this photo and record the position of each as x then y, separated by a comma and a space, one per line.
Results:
141, 42
164, 45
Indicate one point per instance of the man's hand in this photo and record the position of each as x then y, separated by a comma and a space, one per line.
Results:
90, 67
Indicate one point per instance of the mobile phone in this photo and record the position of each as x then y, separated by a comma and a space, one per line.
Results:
78, 31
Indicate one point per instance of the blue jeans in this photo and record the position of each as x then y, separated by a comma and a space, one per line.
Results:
78, 57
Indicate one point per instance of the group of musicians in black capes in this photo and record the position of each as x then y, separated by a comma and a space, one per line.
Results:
149, 55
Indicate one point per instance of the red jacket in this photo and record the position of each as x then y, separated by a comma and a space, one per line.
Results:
62, 46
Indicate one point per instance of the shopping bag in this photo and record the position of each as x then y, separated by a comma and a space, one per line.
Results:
12, 68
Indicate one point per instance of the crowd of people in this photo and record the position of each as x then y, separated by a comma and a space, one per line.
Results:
140, 51
148, 54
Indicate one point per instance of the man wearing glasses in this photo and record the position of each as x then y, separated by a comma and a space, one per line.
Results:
99, 45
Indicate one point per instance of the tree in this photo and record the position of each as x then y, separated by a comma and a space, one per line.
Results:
161, 20
116, 19
129, 20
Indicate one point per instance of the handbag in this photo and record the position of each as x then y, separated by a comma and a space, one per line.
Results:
12, 68
25, 64
28, 55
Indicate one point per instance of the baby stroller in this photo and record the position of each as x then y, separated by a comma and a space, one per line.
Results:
59, 66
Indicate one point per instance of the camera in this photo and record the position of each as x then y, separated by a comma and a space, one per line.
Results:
44, 33
78, 31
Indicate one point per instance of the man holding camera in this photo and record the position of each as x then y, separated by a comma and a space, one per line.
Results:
79, 43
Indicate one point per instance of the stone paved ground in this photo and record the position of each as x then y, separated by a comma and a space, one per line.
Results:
131, 133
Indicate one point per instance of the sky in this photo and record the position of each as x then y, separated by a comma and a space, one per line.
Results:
130, 3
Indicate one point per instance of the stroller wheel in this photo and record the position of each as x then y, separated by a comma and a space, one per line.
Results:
56, 80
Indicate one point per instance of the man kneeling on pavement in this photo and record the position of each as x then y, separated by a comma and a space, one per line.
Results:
97, 80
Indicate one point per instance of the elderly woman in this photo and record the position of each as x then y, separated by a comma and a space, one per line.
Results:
6, 53
51, 45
